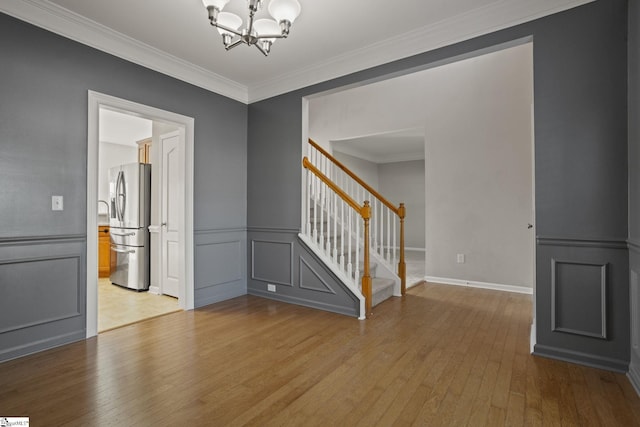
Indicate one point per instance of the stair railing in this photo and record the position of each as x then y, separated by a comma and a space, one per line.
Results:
330, 203
386, 218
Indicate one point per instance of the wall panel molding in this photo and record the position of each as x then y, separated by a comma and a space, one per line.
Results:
611, 243
205, 231
634, 295
77, 311
38, 240
224, 258
279, 230
565, 277
221, 268
582, 358
304, 264
634, 245
43, 288
263, 276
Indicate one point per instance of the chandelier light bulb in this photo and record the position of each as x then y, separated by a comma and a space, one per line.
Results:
284, 10
218, 4
229, 20
267, 27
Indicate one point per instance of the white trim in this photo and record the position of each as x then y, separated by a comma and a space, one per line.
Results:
484, 20
64, 22
95, 101
154, 290
532, 337
482, 285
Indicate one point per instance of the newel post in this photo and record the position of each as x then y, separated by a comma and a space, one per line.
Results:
366, 277
402, 267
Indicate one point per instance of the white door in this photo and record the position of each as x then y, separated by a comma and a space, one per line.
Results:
171, 212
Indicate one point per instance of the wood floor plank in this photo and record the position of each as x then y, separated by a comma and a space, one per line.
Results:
442, 355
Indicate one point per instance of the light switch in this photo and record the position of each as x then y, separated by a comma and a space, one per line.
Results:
57, 203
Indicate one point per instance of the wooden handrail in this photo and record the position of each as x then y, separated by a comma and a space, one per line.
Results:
365, 213
396, 210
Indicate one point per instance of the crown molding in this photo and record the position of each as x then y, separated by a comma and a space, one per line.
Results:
61, 21
493, 17
496, 16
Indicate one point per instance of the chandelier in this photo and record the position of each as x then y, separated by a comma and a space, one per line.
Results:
260, 33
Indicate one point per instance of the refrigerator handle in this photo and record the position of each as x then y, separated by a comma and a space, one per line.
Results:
122, 251
121, 196
123, 235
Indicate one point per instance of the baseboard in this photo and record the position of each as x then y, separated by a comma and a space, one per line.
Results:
154, 290
634, 378
347, 311
577, 357
481, 285
41, 345
411, 285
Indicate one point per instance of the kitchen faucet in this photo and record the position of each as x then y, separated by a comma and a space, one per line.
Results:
103, 201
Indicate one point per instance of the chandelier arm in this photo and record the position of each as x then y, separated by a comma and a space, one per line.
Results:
264, 52
234, 44
231, 30
271, 36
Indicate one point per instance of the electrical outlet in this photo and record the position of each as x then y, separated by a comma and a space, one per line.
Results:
57, 203
271, 288
460, 259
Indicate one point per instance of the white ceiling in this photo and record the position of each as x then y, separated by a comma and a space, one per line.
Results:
398, 146
123, 129
330, 38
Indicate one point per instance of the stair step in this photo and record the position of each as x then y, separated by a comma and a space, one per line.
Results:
382, 289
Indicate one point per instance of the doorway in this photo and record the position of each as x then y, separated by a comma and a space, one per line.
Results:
479, 223
182, 269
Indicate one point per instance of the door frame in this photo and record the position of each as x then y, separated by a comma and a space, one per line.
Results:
96, 101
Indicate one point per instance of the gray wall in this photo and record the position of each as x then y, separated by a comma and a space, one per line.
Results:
634, 187
365, 169
399, 182
404, 182
581, 180
44, 79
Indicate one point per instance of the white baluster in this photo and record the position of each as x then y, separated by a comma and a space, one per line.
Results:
335, 227
372, 222
388, 235
381, 235
357, 273
307, 221
349, 260
342, 235
322, 194
315, 208
395, 247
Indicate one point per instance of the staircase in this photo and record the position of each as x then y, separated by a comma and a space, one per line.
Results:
382, 288
353, 230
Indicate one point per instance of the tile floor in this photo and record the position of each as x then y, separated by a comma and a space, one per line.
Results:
119, 306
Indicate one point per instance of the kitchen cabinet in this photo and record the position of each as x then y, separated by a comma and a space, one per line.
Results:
144, 156
104, 251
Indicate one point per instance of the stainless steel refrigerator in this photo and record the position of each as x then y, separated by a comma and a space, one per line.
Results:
130, 196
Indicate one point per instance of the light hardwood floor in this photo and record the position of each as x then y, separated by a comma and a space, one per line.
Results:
443, 355
118, 306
